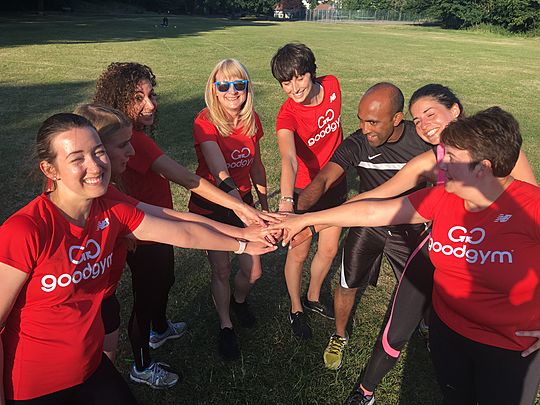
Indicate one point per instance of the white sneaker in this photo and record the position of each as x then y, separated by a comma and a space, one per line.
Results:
174, 331
155, 375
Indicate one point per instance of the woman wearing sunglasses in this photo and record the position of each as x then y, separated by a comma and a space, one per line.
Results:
129, 87
226, 135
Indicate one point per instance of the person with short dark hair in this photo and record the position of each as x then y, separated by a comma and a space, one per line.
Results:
308, 128
485, 327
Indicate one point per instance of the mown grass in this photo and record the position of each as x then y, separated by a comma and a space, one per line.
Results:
49, 64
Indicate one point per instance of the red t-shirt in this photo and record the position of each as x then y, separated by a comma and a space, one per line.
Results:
140, 180
317, 130
120, 248
487, 277
54, 334
238, 151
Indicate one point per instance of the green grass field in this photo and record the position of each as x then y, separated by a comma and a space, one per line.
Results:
50, 64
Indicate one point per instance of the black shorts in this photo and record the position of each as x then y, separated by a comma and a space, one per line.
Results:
364, 248
110, 313
219, 213
333, 197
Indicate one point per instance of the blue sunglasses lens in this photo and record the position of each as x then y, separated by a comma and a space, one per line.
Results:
239, 85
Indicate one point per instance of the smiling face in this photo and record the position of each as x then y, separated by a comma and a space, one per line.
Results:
81, 167
119, 150
231, 100
144, 106
430, 118
299, 88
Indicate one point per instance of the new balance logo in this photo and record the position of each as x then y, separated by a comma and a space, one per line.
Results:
503, 218
333, 97
103, 224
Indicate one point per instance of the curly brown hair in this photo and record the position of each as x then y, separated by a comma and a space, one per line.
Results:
117, 85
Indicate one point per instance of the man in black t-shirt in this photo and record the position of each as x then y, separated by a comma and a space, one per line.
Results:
383, 145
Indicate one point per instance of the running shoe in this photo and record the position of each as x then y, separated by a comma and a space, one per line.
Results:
333, 354
174, 331
319, 308
243, 313
155, 375
357, 397
299, 325
228, 344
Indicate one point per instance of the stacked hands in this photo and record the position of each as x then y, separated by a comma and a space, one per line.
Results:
266, 229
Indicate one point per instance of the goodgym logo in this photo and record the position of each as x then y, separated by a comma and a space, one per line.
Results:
241, 158
327, 123
463, 239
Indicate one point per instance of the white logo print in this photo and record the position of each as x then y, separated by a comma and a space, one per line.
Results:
101, 225
327, 124
241, 158
91, 251
503, 218
333, 97
374, 156
461, 235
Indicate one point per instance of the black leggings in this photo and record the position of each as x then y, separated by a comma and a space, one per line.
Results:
471, 373
152, 275
412, 298
105, 387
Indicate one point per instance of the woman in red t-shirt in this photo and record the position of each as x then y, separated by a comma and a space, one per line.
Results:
56, 255
485, 329
115, 131
129, 87
226, 135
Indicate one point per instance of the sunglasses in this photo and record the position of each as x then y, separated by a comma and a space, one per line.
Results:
239, 85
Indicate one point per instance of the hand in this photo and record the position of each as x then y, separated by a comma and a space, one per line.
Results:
535, 346
250, 215
291, 226
256, 233
257, 248
301, 237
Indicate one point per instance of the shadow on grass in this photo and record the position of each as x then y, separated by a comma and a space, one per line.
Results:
77, 29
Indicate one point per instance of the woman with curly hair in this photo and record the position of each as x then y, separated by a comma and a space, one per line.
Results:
129, 87
226, 135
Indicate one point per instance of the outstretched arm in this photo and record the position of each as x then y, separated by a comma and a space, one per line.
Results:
177, 173
258, 178
289, 167
523, 170
321, 183
417, 170
253, 233
359, 213
192, 235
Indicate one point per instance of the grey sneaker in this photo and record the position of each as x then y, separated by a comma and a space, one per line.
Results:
155, 375
174, 331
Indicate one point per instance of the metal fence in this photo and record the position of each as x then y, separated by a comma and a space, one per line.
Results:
332, 16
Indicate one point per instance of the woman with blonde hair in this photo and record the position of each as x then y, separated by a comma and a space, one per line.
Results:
226, 135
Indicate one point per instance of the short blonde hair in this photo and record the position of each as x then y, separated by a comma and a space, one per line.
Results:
230, 69
105, 119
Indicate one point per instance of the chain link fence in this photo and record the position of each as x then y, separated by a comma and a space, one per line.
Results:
334, 16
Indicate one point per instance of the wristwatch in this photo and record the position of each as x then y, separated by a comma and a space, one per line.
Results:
242, 247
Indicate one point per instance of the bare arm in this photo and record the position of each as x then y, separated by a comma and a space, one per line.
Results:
253, 233
258, 177
360, 213
523, 171
289, 167
191, 235
177, 173
417, 170
321, 183
11, 282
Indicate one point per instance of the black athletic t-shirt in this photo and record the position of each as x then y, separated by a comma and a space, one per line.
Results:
376, 165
